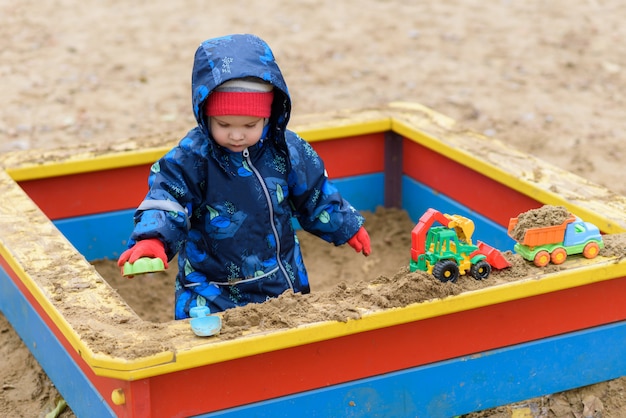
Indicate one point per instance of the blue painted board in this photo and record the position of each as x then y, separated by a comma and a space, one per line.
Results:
99, 236
365, 192
105, 235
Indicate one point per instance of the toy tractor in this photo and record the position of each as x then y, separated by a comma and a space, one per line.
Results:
447, 251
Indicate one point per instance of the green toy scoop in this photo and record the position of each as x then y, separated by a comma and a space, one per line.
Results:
142, 266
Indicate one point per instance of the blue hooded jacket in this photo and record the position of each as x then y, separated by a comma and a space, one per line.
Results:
229, 215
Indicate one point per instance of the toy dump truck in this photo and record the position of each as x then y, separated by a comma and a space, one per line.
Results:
546, 244
447, 251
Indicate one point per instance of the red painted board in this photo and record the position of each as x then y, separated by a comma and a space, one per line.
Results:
124, 188
353, 156
466, 186
89, 193
399, 347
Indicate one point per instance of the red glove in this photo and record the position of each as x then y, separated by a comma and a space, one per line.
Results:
361, 242
152, 248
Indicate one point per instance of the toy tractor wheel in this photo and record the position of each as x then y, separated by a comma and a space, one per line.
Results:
542, 258
480, 270
446, 271
591, 250
558, 255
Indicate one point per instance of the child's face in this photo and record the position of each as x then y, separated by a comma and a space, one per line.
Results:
236, 132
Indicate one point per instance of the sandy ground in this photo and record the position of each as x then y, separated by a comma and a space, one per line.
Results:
545, 77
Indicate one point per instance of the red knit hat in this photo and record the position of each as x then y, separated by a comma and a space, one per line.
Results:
241, 97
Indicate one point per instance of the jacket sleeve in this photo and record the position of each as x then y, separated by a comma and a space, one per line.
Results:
173, 193
318, 206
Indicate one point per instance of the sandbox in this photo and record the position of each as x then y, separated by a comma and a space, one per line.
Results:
441, 357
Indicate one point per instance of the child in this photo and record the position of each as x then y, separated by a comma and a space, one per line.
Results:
224, 198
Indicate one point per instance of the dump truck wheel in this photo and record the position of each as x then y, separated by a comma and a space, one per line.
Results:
480, 270
591, 250
542, 258
446, 271
558, 256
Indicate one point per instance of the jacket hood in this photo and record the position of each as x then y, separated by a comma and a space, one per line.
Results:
237, 56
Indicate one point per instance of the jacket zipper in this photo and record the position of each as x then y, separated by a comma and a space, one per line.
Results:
246, 154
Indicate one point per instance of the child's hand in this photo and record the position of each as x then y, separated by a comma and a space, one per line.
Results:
361, 242
152, 248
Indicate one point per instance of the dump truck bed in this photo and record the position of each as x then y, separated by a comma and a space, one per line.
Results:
541, 235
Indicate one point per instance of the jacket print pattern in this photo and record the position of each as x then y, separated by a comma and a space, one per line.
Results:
229, 216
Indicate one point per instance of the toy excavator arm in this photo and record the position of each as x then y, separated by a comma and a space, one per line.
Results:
418, 234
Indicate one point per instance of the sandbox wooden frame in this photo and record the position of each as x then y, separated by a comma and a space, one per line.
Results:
442, 357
